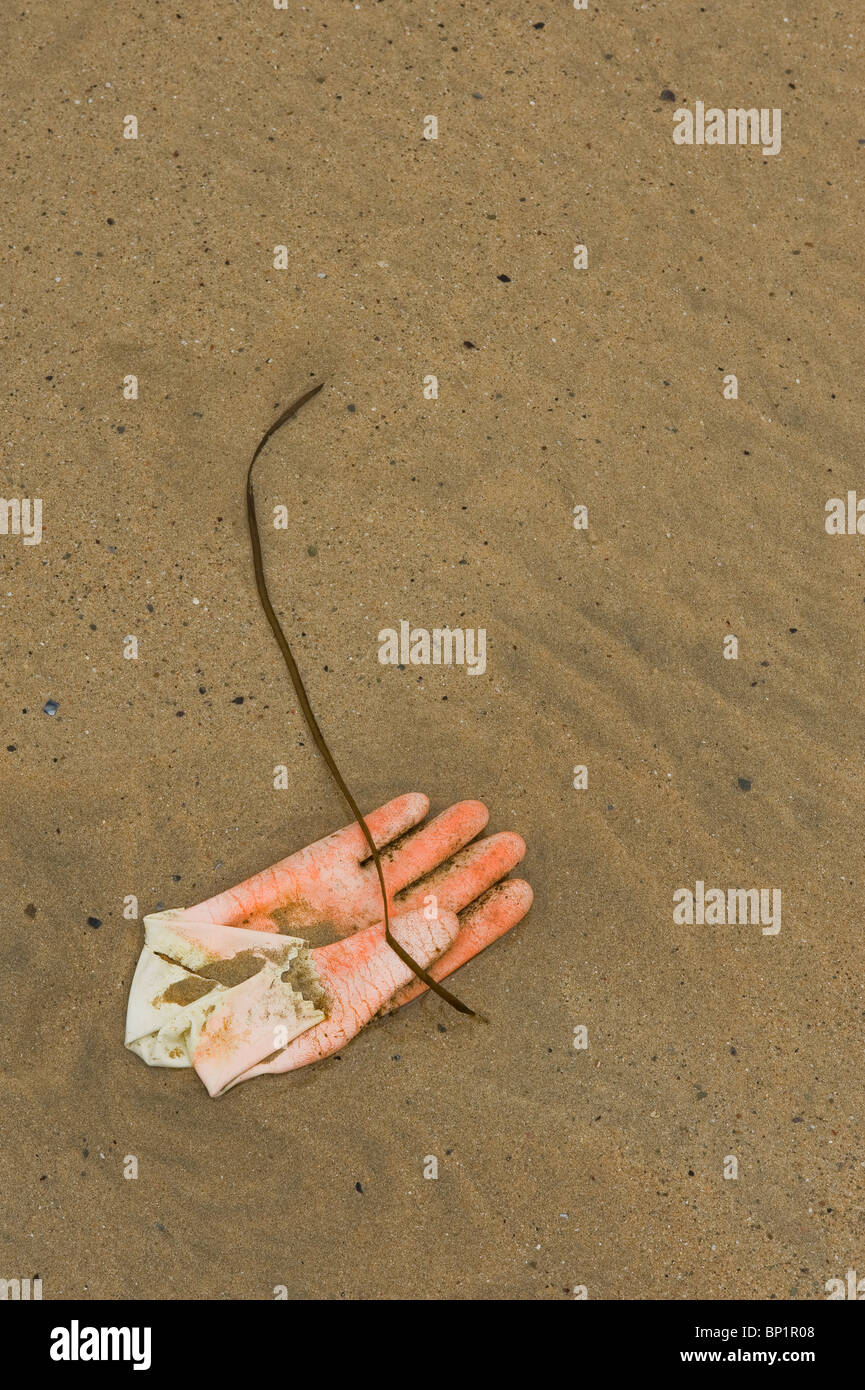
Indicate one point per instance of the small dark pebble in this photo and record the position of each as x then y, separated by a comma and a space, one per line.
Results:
11, 747
357, 1187
121, 429
238, 700
94, 921
51, 707
505, 279
466, 343
733, 1052
30, 910
793, 629
667, 95
160, 907
539, 25
180, 713
441, 1028
351, 408
744, 784
312, 550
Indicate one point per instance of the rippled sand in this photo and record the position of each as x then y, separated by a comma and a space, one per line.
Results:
557, 1167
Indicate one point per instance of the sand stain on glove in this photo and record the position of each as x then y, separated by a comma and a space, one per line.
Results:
219, 999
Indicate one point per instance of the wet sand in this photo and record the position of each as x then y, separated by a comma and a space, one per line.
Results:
558, 1167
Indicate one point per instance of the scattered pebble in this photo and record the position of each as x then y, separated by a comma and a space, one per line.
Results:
51, 707
94, 921
667, 95
744, 784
